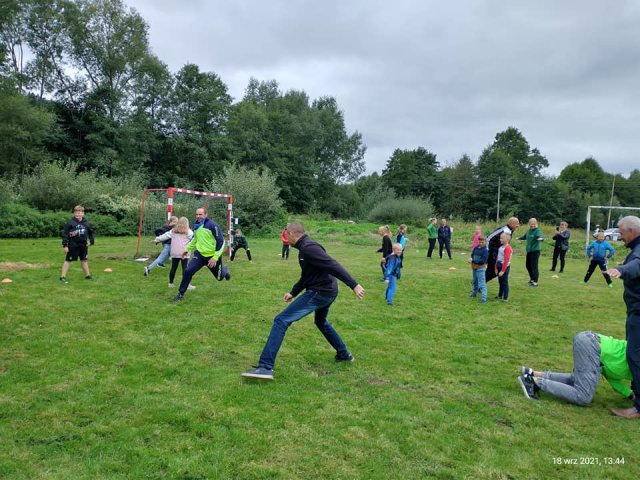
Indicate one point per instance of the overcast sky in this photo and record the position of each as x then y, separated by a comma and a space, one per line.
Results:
446, 76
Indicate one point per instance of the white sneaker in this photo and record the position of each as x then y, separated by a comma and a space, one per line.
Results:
191, 287
171, 285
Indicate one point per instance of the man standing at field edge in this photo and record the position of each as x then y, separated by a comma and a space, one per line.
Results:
630, 274
318, 277
493, 243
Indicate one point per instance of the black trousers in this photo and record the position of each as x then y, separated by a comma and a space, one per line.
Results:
432, 244
532, 265
633, 354
558, 252
445, 243
603, 267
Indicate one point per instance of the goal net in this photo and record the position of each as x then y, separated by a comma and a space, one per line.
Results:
602, 217
160, 204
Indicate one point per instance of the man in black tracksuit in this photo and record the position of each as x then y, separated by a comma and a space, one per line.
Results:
76, 238
629, 271
493, 242
318, 277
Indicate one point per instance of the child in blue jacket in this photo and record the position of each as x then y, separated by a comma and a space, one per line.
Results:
599, 251
478, 260
392, 266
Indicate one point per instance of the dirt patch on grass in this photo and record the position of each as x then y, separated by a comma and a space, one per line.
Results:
18, 266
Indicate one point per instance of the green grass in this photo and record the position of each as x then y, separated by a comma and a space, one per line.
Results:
109, 379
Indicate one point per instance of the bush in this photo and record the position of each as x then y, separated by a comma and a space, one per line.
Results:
22, 221
57, 186
409, 210
256, 198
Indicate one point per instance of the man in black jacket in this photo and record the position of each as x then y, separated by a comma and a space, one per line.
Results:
493, 242
629, 272
318, 277
76, 238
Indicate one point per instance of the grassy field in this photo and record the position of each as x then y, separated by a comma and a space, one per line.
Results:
109, 379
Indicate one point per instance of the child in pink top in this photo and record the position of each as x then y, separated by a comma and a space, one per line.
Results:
475, 237
180, 236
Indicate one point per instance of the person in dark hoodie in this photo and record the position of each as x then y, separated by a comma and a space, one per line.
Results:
76, 238
318, 278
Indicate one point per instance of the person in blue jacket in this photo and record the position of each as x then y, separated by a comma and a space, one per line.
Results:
393, 264
599, 251
478, 260
444, 237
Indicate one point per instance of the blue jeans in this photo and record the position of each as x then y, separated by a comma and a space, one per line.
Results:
580, 386
163, 257
309, 301
479, 283
503, 281
391, 289
195, 264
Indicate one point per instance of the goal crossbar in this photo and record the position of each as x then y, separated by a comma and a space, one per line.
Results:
171, 191
606, 207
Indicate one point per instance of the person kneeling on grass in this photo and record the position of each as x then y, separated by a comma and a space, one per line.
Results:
593, 354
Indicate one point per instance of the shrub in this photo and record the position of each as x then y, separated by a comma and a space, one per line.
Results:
23, 221
58, 186
409, 210
256, 198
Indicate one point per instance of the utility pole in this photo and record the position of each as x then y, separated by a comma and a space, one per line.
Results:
498, 209
613, 185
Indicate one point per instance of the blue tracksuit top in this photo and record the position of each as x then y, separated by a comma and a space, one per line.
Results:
393, 264
598, 250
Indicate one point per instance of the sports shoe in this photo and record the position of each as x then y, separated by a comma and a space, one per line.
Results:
146, 271
527, 371
610, 285
528, 387
260, 373
88, 277
583, 283
533, 284
191, 287
349, 358
483, 301
162, 265
178, 298
171, 285
64, 280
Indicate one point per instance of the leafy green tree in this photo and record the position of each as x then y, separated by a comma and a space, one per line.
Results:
628, 189
513, 165
24, 129
461, 187
412, 173
586, 176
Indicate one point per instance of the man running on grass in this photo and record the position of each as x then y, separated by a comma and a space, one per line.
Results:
318, 277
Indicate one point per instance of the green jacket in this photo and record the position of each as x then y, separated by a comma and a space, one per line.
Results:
613, 357
432, 231
531, 236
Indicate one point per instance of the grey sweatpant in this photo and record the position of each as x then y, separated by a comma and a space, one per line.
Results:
580, 386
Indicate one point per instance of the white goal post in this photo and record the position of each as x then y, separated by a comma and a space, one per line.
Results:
160, 204
607, 207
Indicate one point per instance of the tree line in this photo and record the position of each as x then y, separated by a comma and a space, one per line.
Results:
80, 87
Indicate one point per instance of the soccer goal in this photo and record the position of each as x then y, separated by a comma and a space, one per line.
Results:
159, 204
601, 213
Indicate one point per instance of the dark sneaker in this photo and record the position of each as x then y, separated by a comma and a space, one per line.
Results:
348, 358
162, 265
178, 297
88, 277
260, 373
64, 280
224, 274
528, 387
533, 284
527, 372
